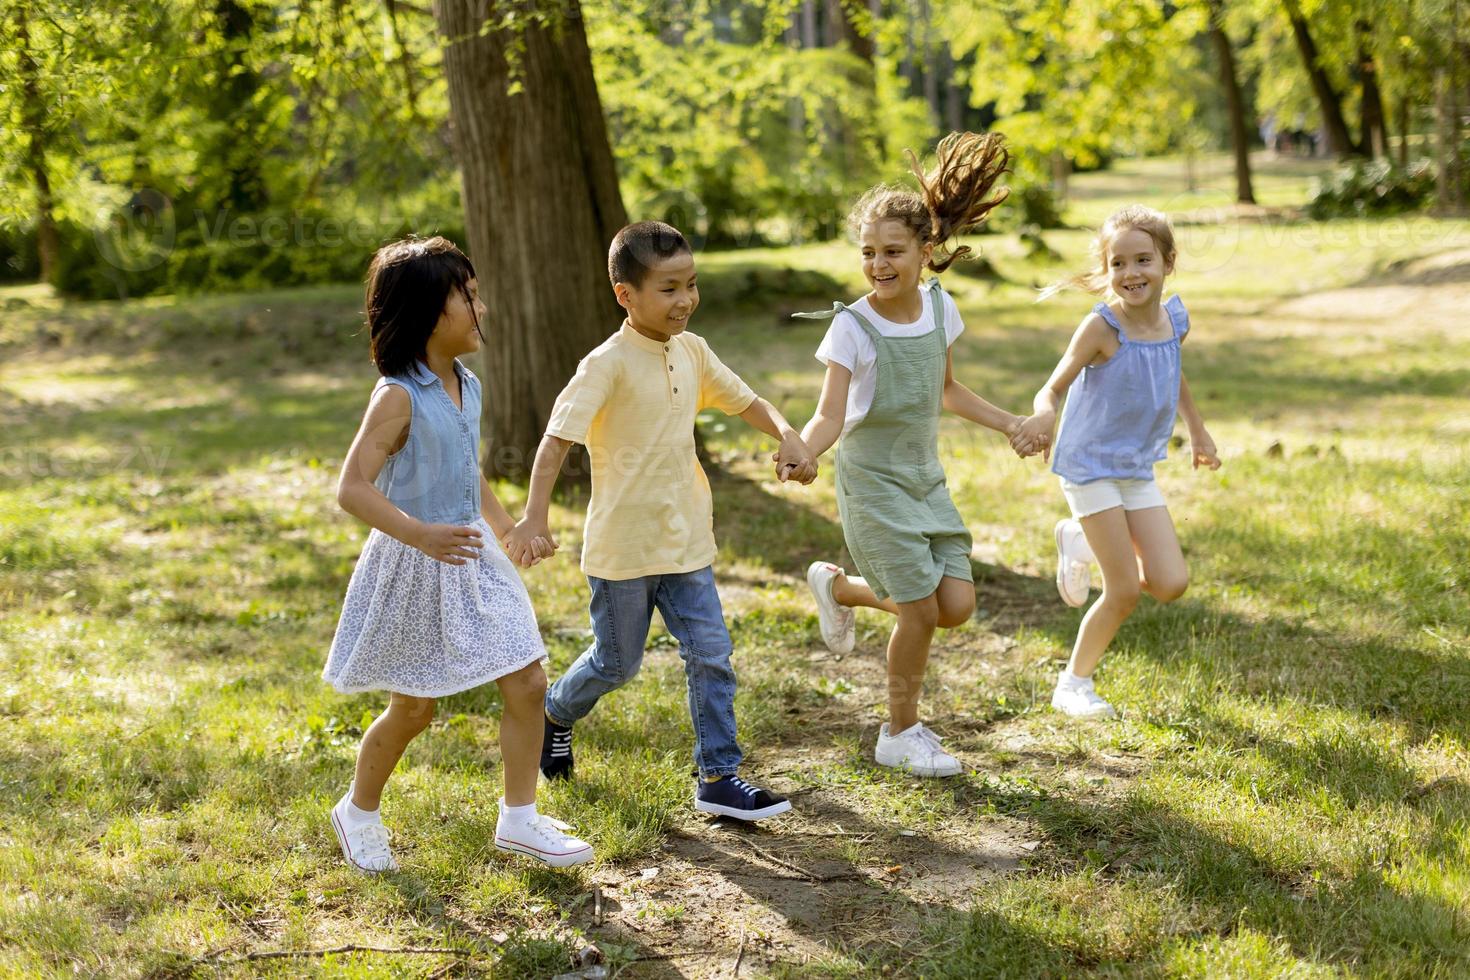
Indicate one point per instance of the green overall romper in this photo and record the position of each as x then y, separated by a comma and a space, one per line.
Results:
901, 527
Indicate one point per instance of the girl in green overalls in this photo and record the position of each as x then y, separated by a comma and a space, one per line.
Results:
889, 374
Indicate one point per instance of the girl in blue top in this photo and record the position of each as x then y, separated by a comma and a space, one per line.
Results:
428, 613
1123, 383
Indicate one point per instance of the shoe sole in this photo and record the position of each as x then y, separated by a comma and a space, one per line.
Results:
553, 777
1062, 569
926, 772
721, 810
1106, 713
555, 860
347, 851
822, 616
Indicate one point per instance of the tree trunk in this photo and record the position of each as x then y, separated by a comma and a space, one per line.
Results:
1451, 200
847, 31
1374, 134
1339, 141
541, 204
929, 59
33, 116
1234, 104
1405, 121
809, 36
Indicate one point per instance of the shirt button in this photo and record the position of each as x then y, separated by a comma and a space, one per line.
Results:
671, 369
676, 391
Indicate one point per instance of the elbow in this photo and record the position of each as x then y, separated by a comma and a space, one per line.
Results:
346, 496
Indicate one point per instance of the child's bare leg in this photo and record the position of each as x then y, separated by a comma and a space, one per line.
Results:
383, 744
1108, 536
1160, 559
522, 725
852, 590
908, 656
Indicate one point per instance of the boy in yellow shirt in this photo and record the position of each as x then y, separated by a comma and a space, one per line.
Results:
649, 541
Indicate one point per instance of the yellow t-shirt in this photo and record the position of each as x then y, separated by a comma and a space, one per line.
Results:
632, 403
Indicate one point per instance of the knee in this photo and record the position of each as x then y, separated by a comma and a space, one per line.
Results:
921, 615
1122, 596
411, 714
956, 612
526, 686
1170, 587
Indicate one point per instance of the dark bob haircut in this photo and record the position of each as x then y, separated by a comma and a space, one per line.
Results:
408, 285
637, 247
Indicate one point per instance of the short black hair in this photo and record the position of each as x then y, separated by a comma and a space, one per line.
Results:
408, 284
638, 246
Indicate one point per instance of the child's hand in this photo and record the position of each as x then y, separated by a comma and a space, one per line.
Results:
794, 461
528, 543
1202, 447
1033, 435
447, 543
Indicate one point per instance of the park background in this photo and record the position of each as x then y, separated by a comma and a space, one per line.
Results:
191, 192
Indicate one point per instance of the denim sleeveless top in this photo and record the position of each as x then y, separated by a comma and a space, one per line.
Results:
1120, 414
435, 477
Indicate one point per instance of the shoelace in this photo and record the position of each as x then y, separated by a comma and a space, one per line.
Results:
1077, 576
372, 841
930, 739
549, 829
743, 786
561, 743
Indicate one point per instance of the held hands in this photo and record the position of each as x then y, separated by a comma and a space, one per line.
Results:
1033, 435
794, 461
447, 543
528, 544
1202, 449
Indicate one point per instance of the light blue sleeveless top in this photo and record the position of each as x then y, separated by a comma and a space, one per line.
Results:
435, 477
1120, 414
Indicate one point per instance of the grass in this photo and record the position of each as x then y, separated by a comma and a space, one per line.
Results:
1286, 795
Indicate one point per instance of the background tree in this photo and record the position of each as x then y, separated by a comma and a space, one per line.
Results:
541, 203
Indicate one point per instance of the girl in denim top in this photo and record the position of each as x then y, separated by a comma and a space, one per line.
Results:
429, 611
1123, 382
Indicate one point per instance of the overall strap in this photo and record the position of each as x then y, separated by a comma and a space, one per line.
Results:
837, 308
936, 296
1106, 312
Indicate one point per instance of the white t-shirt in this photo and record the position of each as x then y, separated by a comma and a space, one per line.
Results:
848, 344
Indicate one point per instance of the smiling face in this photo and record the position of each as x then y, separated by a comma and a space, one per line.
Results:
1136, 270
893, 259
458, 329
661, 305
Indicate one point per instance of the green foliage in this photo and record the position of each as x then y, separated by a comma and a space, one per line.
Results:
744, 143
1362, 188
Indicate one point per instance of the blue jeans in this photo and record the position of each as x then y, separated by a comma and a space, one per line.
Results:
621, 614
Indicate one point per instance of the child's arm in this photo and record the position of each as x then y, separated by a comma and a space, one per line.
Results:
1202, 447
383, 426
793, 454
531, 539
825, 428
968, 405
494, 511
1036, 433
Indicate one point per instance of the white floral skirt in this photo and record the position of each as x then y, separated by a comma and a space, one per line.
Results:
425, 628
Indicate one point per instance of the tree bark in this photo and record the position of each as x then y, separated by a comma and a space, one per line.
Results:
1374, 131
541, 203
33, 112
1339, 141
1234, 104
1447, 116
847, 31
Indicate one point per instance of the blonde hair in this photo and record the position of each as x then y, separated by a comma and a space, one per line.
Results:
952, 198
1134, 216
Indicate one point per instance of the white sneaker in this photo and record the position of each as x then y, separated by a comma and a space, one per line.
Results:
365, 846
1081, 702
916, 750
837, 622
1074, 562
544, 839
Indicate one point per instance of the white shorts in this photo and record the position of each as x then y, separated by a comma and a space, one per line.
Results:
1087, 499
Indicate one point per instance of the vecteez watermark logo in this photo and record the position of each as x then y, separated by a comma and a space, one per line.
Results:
138, 236
143, 232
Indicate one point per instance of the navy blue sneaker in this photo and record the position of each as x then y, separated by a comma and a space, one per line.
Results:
556, 751
734, 797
